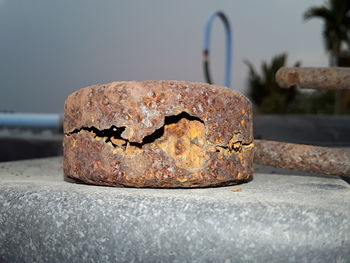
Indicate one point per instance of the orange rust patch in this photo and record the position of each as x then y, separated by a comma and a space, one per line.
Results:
118, 142
185, 143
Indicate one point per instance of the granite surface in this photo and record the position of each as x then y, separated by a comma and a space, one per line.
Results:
275, 218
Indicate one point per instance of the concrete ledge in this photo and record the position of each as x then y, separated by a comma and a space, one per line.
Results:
274, 218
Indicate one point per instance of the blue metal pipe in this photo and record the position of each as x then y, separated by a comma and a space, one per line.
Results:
29, 120
229, 38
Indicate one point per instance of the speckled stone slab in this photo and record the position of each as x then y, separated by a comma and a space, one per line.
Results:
274, 218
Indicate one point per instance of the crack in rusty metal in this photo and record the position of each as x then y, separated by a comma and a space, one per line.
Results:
114, 135
236, 146
116, 132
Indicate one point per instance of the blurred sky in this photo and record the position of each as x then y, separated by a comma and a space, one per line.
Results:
50, 48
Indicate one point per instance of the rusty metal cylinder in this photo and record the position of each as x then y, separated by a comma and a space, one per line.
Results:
158, 134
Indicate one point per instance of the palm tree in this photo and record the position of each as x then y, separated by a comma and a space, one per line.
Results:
266, 95
336, 17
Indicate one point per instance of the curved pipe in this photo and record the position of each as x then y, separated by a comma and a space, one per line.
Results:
228, 64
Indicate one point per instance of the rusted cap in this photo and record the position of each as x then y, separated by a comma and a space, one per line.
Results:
158, 134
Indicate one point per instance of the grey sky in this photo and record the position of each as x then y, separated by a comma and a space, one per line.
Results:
50, 48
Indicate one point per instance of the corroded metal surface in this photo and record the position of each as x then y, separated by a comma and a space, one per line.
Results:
306, 158
336, 78
158, 134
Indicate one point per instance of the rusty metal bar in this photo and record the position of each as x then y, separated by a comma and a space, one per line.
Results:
335, 78
300, 157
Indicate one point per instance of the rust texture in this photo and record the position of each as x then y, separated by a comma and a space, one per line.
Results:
335, 78
158, 134
306, 158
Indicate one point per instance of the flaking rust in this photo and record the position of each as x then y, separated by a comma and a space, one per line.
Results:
158, 134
